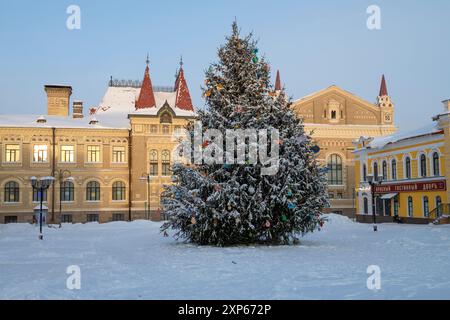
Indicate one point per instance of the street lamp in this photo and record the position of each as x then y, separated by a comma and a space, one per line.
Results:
372, 184
62, 175
145, 177
41, 184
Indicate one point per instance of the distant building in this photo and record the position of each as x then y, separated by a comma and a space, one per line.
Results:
128, 136
336, 119
411, 173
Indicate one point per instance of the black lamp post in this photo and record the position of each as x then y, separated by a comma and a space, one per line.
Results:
145, 177
373, 184
41, 184
61, 176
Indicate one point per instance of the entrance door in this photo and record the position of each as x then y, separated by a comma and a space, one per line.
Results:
387, 208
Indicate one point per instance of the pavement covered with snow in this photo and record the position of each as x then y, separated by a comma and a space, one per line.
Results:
123, 260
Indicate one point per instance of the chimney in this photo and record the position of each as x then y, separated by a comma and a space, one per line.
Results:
446, 105
58, 100
77, 110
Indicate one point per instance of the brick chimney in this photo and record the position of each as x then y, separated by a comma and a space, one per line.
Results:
58, 100
77, 112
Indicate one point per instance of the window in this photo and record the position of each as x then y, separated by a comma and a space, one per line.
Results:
67, 154
423, 165
40, 153
410, 207
366, 205
340, 195
375, 171
394, 169
384, 170
166, 118
67, 191
153, 162
93, 191
93, 154
66, 218
153, 128
331, 195
426, 207
165, 156
12, 153
12, 192
436, 169
335, 170
438, 206
118, 155
408, 168
165, 129
118, 217
118, 191
364, 172
37, 195
333, 114
10, 219
92, 217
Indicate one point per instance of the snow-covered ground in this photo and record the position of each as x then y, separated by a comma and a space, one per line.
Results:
133, 261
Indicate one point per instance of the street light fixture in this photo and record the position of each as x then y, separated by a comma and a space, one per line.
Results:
41, 184
372, 184
145, 177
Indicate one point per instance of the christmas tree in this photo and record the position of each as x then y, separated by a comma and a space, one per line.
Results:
243, 201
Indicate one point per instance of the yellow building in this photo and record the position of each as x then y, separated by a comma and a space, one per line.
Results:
101, 162
336, 119
410, 173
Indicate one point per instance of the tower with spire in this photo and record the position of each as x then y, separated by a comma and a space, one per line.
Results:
183, 99
385, 103
146, 96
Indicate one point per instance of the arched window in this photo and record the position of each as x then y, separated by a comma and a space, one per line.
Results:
335, 170
408, 168
438, 206
364, 172
366, 205
436, 169
153, 162
423, 165
165, 118
165, 159
93, 191
12, 192
375, 171
67, 191
333, 114
118, 191
426, 207
410, 207
394, 169
37, 196
396, 206
384, 170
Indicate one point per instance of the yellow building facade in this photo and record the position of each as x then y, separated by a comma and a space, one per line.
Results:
110, 165
409, 174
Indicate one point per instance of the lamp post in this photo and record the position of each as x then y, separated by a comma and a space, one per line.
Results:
145, 177
41, 184
373, 184
62, 175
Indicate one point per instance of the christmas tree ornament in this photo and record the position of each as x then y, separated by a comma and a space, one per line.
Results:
205, 143
219, 87
193, 221
289, 193
207, 93
291, 206
284, 218
267, 224
217, 188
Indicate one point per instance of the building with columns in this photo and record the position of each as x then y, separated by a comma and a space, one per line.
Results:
110, 165
336, 118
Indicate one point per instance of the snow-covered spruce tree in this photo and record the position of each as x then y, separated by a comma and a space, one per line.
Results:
232, 204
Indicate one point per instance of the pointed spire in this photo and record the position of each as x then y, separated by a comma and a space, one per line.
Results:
183, 100
146, 96
278, 82
383, 87
177, 73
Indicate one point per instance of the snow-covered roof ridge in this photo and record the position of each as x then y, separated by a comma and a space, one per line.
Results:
381, 142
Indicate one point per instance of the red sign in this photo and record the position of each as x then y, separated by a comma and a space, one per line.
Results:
412, 187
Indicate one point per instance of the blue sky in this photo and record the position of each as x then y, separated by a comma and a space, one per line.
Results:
314, 44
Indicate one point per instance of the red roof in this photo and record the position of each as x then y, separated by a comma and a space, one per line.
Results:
146, 96
383, 87
278, 82
183, 100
